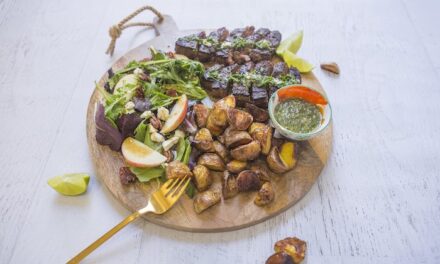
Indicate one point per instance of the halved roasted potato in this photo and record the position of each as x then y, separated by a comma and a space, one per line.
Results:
217, 121
236, 166
177, 169
262, 133
212, 161
284, 161
261, 172
203, 140
248, 180
229, 185
249, 151
202, 178
201, 114
265, 195
238, 119
225, 102
206, 199
220, 150
237, 138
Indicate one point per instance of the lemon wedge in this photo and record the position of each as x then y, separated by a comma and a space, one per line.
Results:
70, 184
292, 43
294, 61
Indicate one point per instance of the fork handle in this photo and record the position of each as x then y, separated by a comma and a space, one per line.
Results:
104, 238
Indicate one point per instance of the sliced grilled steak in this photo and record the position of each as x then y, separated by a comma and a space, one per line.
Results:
272, 89
259, 34
259, 96
204, 53
246, 68
257, 55
295, 73
220, 34
241, 92
187, 46
219, 88
264, 67
224, 56
240, 57
259, 114
279, 69
208, 79
242, 32
274, 37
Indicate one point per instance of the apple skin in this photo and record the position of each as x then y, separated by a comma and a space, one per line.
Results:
177, 115
137, 154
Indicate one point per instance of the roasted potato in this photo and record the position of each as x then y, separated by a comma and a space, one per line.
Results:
280, 258
217, 121
259, 114
249, 151
262, 133
261, 172
237, 138
202, 178
212, 161
229, 186
238, 119
294, 247
265, 195
236, 166
202, 113
281, 163
225, 102
248, 180
177, 169
220, 150
203, 140
206, 199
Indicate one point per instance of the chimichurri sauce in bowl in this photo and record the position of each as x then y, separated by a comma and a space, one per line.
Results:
298, 115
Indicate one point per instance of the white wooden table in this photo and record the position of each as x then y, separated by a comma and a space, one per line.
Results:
377, 201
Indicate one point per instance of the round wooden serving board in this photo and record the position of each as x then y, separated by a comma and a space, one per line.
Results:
232, 214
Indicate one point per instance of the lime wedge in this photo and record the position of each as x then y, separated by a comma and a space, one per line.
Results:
294, 61
70, 184
292, 43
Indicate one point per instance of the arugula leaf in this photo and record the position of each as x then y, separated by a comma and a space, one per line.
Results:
147, 174
180, 149
140, 132
187, 154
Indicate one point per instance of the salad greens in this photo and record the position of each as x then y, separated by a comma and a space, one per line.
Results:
147, 174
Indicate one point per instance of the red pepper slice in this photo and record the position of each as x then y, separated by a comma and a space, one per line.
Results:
302, 92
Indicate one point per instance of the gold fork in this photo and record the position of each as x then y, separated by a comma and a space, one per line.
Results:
160, 202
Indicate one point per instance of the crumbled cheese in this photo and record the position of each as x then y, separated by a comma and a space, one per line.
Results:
138, 71
156, 137
151, 128
147, 114
163, 113
179, 133
129, 107
168, 144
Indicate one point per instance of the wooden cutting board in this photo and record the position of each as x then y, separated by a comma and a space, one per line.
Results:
232, 214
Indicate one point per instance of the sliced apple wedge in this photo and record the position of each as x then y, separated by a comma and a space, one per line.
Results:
137, 154
177, 115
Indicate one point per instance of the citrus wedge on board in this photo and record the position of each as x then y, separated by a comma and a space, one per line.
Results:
295, 61
292, 43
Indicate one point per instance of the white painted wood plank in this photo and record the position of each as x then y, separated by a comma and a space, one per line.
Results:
377, 200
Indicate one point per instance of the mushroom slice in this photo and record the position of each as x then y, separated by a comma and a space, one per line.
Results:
212, 161
265, 195
249, 151
201, 113
177, 169
248, 180
206, 199
237, 138
238, 119
203, 140
220, 150
236, 166
229, 187
262, 133
202, 178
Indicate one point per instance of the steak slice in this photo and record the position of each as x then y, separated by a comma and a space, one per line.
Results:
259, 114
259, 96
242, 32
246, 68
219, 87
208, 77
279, 69
241, 92
220, 34
264, 67
257, 55
295, 74
274, 37
205, 53
224, 56
259, 34
187, 46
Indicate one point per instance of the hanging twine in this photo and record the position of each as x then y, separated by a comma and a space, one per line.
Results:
116, 30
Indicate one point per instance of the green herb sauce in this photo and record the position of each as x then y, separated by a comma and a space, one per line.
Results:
298, 115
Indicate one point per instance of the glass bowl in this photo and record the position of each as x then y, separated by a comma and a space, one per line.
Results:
327, 115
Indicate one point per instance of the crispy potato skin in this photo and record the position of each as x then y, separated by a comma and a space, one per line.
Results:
217, 121
206, 199
177, 169
202, 113
262, 133
229, 185
274, 161
238, 119
248, 180
246, 152
237, 138
265, 195
236, 166
221, 150
226, 102
203, 140
292, 246
280, 258
202, 178
212, 161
